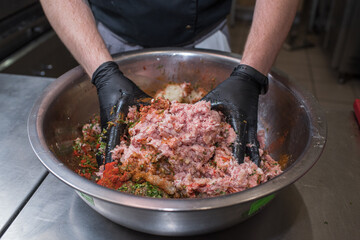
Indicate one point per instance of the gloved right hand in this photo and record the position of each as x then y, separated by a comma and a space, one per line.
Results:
238, 97
116, 93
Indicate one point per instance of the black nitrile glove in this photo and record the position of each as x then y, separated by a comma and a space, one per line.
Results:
238, 97
116, 93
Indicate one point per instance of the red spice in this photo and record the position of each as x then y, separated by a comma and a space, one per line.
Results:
112, 176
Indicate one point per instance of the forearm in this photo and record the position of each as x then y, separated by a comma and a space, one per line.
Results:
74, 23
271, 24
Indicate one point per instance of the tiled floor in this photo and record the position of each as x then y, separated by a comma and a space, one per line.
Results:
310, 67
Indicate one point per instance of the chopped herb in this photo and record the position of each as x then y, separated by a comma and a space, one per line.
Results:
123, 188
121, 121
132, 124
259, 179
253, 173
212, 163
145, 189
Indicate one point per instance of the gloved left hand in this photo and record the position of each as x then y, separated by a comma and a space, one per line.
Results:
237, 97
116, 93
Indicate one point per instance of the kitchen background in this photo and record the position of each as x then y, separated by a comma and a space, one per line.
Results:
321, 53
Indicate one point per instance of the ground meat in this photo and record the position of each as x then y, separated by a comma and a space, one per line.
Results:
185, 149
173, 150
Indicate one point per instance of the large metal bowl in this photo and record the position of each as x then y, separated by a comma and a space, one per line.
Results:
295, 131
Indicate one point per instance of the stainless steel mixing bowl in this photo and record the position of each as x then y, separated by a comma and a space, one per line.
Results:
295, 131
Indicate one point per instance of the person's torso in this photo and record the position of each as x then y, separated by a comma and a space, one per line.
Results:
159, 23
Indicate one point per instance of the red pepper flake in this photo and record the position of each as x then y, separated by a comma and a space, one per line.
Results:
113, 177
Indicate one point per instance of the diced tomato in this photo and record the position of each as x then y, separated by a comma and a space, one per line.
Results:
84, 149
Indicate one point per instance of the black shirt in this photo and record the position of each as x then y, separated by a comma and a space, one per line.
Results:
159, 23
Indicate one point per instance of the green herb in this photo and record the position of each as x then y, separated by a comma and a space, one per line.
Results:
122, 121
259, 179
132, 124
123, 188
147, 189
161, 111
253, 173
212, 163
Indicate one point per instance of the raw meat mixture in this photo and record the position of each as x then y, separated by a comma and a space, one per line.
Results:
180, 150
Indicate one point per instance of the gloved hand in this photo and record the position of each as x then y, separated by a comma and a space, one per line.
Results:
116, 93
237, 97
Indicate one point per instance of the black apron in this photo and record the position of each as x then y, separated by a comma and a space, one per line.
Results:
160, 23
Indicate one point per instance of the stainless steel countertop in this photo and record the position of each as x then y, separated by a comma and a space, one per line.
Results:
324, 204
21, 172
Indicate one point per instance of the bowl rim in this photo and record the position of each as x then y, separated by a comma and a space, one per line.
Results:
316, 144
